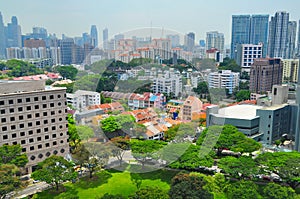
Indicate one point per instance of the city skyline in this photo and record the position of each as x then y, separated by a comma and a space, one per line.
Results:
119, 16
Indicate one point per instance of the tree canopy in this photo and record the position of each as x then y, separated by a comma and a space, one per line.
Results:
68, 72
54, 170
12, 154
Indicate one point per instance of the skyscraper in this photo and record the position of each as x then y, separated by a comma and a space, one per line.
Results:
94, 36
2, 38
259, 31
14, 33
214, 39
190, 41
278, 34
249, 29
105, 39
291, 39
240, 32
264, 73
175, 40
66, 46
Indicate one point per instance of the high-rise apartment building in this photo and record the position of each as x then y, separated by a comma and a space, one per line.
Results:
94, 36
265, 73
247, 29
214, 39
170, 83
105, 39
35, 117
14, 33
278, 35
189, 41
224, 79
290, 70
2, 38
175, 40
291, 40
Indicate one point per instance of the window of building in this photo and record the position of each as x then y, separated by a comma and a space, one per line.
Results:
40, 155
23, 150
38, 131
13, 127
30, 132
11, 110
61, 141
60, 119
5, 137
43, 97
48, 154
44, 105
46, 137
53, 135
10, 101
1, 103
53, 120
47, 145
32, 157
29, 124
39, 146
51, 104
62, 150
28, 108
31, 140
59, 103
15, 143
14, 135
22, 133
37, 115
37, 123
58, 96
19, 100
61, 134
22, 126
55, 152
27, 99
23, 141
31, 148
29, 116
3, 120
4, 128
20, 109
59, 111
53, 128
51, 96
21, 117
12, 119
2, 111
39, 138
46, 129
36, 99
54, 143
52, 112
45, 114
45, 121
36, 107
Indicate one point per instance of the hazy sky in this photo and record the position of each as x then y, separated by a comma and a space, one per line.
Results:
73, 17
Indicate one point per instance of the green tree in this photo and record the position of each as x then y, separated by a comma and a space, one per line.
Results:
143, 150
229, 64
12, 154
120, 145
19, 68
228, 137
275, 191
243, 189
243, 167
68, 72
202, 88
8, 179
111, 196
54, 170
85, 132
188, 186
81, 155
150, 193
243, 95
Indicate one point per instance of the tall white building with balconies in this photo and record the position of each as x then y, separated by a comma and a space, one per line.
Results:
170, 82
81, 99
224, 79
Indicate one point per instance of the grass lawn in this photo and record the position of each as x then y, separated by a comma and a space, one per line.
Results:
113, 182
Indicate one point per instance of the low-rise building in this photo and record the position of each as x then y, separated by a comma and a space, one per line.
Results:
224, 79
81, 99
192, 107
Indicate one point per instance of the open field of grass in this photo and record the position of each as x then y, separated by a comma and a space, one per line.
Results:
113, 182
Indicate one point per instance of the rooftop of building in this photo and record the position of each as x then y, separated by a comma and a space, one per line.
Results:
243, 111
274, 107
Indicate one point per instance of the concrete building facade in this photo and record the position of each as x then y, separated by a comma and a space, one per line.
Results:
35, 117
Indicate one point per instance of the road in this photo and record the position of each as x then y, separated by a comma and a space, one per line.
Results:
32, 189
